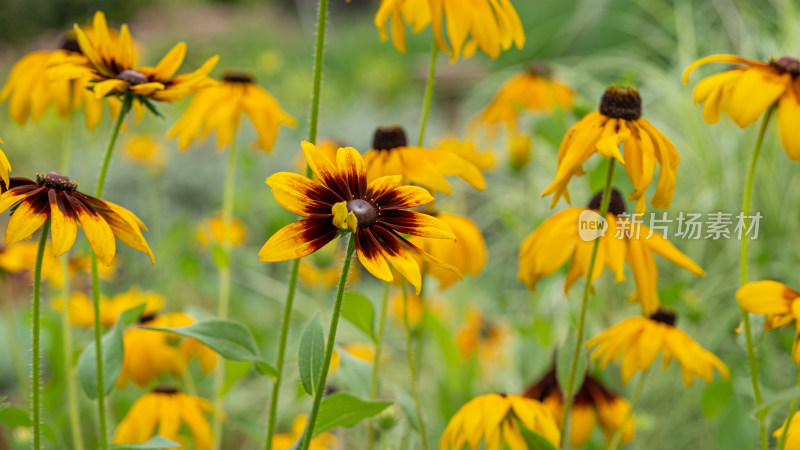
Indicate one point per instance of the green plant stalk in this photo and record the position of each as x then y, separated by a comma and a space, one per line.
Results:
792, 409
637, 393
573, 367
412, 370
319, 52
11, 334
228, 193
373, 390
323, 377
751, 352
426, 105
36, 417
98, 327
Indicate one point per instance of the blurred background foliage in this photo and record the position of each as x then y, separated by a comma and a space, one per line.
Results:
590, 44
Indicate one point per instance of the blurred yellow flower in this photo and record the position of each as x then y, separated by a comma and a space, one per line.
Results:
468, 149
213, 230
363, 351
416, 309
619, 121
637, 341
5, 166
81, 308
145, 150
491, 25
492, 418
792, 433
519, 149
468, 252
284, 441
481, 337
746, 91
220, 108
391, 155
777, 302
323, 268
22, 257
162, 412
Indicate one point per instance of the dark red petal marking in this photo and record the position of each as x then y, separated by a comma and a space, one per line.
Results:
366, 243
402, 221
387, 240
15, 182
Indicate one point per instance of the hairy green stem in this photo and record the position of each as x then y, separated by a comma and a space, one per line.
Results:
36, 415
376, 363
101, 179
426, 105
412, 370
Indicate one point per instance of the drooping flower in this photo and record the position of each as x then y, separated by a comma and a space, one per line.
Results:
593, 402
491, 25
777, 302
619, 121
481, 337
220, 108
468, 149
162, 412
213, 230
81, 310
391, 155
284, 441
637, 341
533, 90
558, 239
342, 200
748, 90
492, 419
53, 196
145, 150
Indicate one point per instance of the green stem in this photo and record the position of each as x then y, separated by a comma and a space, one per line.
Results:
9, 316
101, 180
323, 377
751, 352
411, 369
319, 52
36, 417
426, 106
573, 367
637, 393
373, 390
792, 409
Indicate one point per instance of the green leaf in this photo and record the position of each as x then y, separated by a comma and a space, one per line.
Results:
11, 416
344, 410
234, 371
157, 442
266, 369
358, 310
113, 352
535, 440
220, 256
786, 396
715, 397
311, 355
564, 360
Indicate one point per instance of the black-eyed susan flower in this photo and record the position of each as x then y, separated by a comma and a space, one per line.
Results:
220, 108
592, 403
213, 230
533, 90
343, 200
284, 441
619, 121
145, 150
479, 336
492, 419
5, 166
81, 309
467, 253
746, 91
110, 66
491, 25
777, 302
327, 147
22, 257
469, 150
792, 433
163, 412
391, 155
637, 341
53, 196
558, 239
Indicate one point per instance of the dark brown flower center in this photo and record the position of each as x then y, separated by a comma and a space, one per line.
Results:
664, 316
787, 64
70, 44
621, 103
364, 212
166, 390
541, 69
237, 77
56, 181
502, 394
616, 204
387, 138
487, 330
133, 77
147, 318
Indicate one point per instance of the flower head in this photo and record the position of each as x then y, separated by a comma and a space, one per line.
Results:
22, 257
343, 200
493, 418
749, 89
557, 240
54, 196
162, 412
391, 155
491, 25
81, 309
481, 337
619, 121
213, 230
284, 441
637, 340
777, 302
144, 150
220, 108
468, 149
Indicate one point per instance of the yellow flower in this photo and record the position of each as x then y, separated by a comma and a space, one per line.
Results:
467, 253
637, 340
220, 108
284, 441
22, 257
492, 418
53, 196
592, 402
491, 25
213, 230
391, 155
162, 412
792, 434
619, 121
416, 309
534, 90
557, 240
110, 65
145, 150
327, 147
81, 309
363, 351
481, 337
519, 149
468, 149
749, 89
778, 304
5, 166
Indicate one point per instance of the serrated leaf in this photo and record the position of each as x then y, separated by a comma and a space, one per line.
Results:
358, 310
535, 440
157, 442
311, 355
344, 410
564, 361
